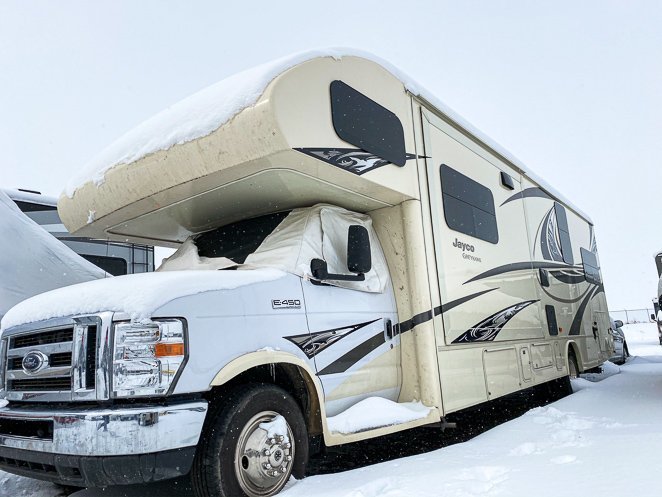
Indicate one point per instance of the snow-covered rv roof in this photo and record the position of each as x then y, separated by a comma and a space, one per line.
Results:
257, 142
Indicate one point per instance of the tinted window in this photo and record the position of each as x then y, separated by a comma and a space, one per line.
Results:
238, 240
552, 325
111, 265
564, 233
363, 122
468, 205
39, 213
591, 267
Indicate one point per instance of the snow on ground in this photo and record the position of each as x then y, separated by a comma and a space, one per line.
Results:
605, 439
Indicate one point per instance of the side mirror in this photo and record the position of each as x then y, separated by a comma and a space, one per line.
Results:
618, 323
359, 259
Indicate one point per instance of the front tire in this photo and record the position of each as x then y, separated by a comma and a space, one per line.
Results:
252, 444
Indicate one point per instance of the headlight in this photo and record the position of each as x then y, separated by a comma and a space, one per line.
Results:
147, 357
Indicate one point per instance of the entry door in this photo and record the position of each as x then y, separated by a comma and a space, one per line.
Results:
352, 342
481, 244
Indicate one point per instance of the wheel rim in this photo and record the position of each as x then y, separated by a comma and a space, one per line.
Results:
263, 464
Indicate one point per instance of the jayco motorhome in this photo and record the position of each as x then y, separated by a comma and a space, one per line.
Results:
344, 241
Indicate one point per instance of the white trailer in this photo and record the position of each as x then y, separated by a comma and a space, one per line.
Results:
387, 258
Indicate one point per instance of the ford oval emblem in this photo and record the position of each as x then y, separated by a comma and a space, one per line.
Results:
34, 361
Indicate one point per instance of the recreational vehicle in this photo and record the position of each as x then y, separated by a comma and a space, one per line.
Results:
354, 260
115, 258
657, 315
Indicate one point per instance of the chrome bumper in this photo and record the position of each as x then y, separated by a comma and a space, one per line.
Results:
113, 431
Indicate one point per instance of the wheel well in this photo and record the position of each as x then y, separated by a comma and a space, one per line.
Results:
572, 347
290, 378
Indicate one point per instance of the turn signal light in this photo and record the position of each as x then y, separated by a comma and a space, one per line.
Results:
168, 349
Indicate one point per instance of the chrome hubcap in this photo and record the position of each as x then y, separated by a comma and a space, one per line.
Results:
264, 454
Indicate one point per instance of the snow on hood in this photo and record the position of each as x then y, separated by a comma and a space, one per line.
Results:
207, 110
137, 295
32, 260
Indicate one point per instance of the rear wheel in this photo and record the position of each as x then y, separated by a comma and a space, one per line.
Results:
573, 369
252, 445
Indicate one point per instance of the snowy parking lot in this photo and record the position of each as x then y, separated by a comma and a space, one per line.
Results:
602, 440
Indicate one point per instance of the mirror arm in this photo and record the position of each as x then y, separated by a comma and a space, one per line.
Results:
318, 268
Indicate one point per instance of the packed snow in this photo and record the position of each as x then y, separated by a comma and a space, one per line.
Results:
207, 110
137, 295
34, 261
604, 439
375, 412
276, 427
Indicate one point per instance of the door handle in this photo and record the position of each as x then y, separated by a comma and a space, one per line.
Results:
388, 329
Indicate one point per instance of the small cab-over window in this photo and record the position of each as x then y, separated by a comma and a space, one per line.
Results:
591, 267
364, 123
468, 205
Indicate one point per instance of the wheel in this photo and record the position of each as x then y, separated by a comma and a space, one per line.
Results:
254, 441
573, 369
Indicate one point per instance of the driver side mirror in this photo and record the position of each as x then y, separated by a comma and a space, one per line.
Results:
618, 323
359, 259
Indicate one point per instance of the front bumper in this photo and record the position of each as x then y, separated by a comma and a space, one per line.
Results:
100, 446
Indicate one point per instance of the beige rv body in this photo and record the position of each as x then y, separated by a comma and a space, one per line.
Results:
252, 165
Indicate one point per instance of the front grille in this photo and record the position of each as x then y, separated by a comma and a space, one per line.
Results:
63, 358
57, 384
60, 360
55, 360
44, 338
91, 357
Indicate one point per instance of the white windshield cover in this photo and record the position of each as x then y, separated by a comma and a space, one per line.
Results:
318, 232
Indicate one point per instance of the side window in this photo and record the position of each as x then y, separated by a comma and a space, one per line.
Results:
40, 213
591, 267
112, 265
564, 233
468, 205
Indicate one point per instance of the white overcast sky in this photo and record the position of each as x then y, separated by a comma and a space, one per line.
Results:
572, 88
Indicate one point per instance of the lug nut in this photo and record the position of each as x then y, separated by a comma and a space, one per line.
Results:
280, 438
288, 458
288, 445
272, 441
266, 452
267, 466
